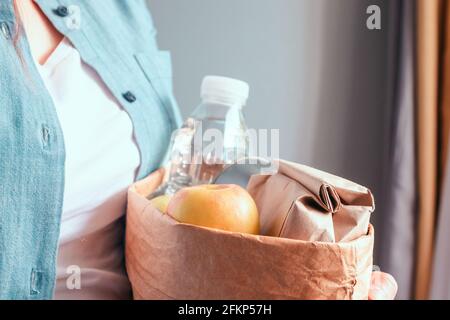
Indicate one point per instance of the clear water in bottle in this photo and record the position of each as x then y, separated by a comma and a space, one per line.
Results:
214, 136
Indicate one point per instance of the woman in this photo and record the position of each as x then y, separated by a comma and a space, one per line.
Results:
86, 109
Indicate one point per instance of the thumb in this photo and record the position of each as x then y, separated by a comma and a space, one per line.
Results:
383, 287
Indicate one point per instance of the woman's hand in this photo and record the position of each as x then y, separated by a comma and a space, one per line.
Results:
383, 286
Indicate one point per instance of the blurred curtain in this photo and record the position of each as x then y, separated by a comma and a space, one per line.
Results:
396, 229
445, 92
432, 132
428, 38
419, 118
440, 288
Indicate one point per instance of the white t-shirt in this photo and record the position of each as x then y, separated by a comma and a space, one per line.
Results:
102, 159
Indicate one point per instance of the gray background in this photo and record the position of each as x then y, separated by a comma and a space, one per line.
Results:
316, 73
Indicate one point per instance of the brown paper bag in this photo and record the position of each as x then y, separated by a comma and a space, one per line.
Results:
303, 203
170, 260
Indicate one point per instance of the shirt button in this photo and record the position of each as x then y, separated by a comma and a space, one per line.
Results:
5, 30
61, 11
37, 278
45, 136
129, 96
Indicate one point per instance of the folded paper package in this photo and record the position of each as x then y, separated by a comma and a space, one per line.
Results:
316, 242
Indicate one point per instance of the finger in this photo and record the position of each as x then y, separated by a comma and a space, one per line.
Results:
383, 287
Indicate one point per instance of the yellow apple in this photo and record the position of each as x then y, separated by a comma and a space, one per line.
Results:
225, 207
161, 203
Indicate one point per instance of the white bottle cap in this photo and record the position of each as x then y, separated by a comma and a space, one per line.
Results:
227, 90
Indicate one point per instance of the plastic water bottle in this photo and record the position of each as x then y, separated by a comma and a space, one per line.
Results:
214, 136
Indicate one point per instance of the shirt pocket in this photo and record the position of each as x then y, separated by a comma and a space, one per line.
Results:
157, 69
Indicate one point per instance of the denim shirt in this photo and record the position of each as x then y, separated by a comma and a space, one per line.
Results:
117, 39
